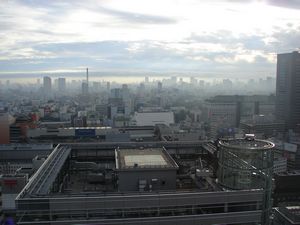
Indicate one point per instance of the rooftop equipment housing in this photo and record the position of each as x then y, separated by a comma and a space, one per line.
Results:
149, 169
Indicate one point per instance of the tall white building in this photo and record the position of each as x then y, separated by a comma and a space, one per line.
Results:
47, 84
47, 87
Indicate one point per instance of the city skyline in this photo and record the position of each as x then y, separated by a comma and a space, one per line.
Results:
150, 112
229, 38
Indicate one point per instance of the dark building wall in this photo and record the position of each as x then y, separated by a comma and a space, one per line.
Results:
282, 216
286, 188
69, 210
268, 129
288, 88
129, 180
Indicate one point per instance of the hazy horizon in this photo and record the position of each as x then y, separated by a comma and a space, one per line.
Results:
122, 77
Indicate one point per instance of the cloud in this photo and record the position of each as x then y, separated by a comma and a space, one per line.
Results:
146, 56
291, 4
38, 35
286, 40
139, 18
227, 38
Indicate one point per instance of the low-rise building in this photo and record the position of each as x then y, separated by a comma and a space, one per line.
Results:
151, 118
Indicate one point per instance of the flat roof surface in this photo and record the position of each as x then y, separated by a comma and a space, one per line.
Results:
143, 158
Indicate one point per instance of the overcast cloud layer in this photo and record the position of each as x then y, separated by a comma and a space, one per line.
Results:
185, 36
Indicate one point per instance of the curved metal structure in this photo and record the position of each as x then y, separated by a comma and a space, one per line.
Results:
247, 164
244, 164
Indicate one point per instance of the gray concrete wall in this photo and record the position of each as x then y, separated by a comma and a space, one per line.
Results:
84, 206
129, 180
205, 219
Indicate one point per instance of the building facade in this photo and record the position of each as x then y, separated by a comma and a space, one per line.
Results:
288, 89
5, 121
47, 84
61, 192
61, 85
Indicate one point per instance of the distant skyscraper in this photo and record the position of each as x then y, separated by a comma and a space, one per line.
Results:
193, 80
96, 86
61, 84
142, 87
125, 92
174, 79
55, 84
116, 93
288, 89
47, 84
201, 83
85, 88
87, 79
159, 86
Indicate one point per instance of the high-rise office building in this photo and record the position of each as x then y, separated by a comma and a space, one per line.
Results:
288, 89
116, 93
47, 84
87, 81
61, 84
159, 86
85, 88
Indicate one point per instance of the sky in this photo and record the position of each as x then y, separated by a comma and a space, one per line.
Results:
194, 37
